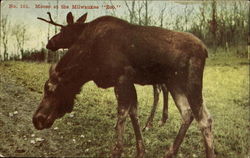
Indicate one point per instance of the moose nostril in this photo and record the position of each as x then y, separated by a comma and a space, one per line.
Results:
41, 118
39, 121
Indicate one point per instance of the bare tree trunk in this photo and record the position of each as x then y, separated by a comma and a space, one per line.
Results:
56, 16
186, 17
202, 21
248, 31
5, 25
146, 13
113, 10
213, 22
131, 10
19, 31
139, 14
56, 56
162, 15
46, 53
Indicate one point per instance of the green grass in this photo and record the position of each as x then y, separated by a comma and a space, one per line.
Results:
226, 94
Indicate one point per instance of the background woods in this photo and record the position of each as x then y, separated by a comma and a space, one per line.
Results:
218, 24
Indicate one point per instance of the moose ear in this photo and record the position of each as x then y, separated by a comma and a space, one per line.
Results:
70, 18
82, 19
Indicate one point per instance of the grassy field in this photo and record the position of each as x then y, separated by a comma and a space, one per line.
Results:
89, 129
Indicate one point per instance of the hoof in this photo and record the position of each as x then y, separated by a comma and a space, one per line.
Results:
116, 153
140, 155
140, 148
161, 123
147, 127
168, 155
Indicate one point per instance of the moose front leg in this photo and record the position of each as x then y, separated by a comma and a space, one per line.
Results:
139, 141
127, 102
122, 115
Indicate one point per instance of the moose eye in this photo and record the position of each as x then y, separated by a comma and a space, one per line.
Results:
46, 87
49, 88
46, 90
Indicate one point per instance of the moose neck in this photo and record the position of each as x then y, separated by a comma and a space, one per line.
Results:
75, 68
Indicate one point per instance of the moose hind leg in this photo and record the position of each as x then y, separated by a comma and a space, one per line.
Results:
187, 117
205, 123
204, 120
156, 92
200, 112
165, 104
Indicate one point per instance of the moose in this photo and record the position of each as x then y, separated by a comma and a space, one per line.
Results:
69, 34
114, 53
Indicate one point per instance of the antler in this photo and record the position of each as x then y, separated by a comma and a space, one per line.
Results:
51, 21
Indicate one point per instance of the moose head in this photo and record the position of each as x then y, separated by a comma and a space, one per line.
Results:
58, 99
69, 33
